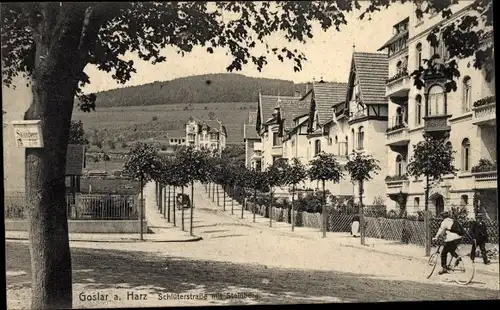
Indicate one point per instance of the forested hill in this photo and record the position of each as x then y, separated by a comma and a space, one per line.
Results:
198, 89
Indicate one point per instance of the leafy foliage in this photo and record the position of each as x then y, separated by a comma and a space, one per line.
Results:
361, 167
142, 162
325, 167
297, 172
431, 158
277, 173
192, 163
484, 165
77, 133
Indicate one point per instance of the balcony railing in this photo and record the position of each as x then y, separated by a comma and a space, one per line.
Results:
436, 124
484, 113
397, 133
398, 84
397, 184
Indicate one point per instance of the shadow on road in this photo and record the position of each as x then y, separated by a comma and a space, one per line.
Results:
113, 269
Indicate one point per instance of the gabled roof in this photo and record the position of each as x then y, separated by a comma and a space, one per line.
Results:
325, 96
394, 39
249, 132
269, 103
252, 118
372, 70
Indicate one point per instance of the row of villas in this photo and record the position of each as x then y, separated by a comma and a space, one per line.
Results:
380, 112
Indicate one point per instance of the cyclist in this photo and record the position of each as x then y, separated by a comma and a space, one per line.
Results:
451, 241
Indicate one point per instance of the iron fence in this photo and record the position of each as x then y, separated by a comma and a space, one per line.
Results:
81, 207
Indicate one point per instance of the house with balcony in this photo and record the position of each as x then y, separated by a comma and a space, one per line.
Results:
275, 116
209, 134
465, 117
309, 135
253, 143
358, 121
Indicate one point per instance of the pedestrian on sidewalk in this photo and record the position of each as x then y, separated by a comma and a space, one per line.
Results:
355, 226
479, 235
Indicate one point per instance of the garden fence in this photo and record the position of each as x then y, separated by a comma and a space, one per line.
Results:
81, 207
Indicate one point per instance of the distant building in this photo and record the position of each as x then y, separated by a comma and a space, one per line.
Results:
209, 134
176, 137
253, 143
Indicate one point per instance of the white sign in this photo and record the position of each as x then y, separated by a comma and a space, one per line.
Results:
28, 134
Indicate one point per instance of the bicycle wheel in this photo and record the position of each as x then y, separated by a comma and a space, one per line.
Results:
431, 265
463, 273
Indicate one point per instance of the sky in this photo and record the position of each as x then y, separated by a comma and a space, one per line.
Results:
328, 53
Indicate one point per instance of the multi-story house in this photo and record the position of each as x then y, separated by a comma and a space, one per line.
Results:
358, 122
253, 143
275, 116
209, 134
465, 116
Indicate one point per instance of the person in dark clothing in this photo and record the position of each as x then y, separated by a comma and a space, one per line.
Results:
480, 235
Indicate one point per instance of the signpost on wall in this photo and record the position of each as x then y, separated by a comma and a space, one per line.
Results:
28, 133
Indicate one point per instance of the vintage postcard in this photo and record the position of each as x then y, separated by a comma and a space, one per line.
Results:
162, 154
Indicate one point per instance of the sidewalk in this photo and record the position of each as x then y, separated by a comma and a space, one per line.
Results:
390, 247
160, 229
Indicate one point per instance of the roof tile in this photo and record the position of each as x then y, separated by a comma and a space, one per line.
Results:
372, 70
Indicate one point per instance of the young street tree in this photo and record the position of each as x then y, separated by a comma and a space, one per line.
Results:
258, 182
52, 43
276, 177
142, 163
361, 167
325, 168
296, 175
192, 164
432, 158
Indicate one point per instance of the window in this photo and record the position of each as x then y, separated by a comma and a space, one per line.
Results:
361, 138
276, 139
464, 200
293, 143
465, 155
435, 104
399, 165
330, 141
317, 147
353, 139
346, 144
399, 66
338, 145
416, 202
419, 55
418, 110
467, 94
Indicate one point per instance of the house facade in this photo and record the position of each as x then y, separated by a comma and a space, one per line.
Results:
209, 134
253, 143
359, 122
466, 117
275, 116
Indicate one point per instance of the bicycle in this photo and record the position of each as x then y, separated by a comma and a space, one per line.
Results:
462, 273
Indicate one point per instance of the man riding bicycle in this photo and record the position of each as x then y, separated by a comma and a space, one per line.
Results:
451, 241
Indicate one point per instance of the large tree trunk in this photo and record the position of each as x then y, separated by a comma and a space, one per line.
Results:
58, 68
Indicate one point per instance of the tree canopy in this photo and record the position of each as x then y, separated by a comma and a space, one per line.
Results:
77, 134
325, 167
432, 158
361, 167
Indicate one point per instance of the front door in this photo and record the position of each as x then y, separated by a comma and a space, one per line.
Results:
439, 203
